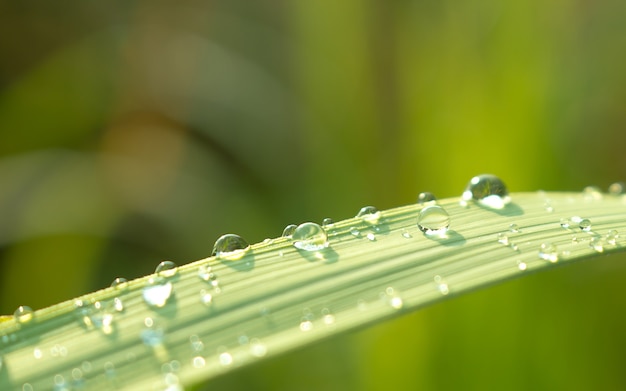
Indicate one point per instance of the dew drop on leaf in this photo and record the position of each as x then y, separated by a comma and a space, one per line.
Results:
157, 292
611, 237
426, 198
327, 222
369, 214
487, 190
592, 193
310, 237
585, 225
166, 269
231, 247
514, 228
120, 284
617, 188
433, 220
371, 237
503, 238
23, 314
548, 252
288, 231
521, 265
597, 244
226, 359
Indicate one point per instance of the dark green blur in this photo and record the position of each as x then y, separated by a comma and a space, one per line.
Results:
137, 131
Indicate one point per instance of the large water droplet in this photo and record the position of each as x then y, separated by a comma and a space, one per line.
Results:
548, 252
488, 190
369, 214
23, 314
426, 198
433, 220
289, 230
310, 237
231, 247
166, 269
157, 292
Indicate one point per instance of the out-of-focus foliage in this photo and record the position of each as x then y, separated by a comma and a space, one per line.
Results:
132, 132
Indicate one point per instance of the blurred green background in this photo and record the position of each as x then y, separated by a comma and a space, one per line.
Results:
136, 131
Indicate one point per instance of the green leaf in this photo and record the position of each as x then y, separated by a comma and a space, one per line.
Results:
276, 298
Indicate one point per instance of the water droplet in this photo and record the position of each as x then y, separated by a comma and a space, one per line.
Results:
166, 269
120, 284
433, 220
406, 234
196, 344
37, 353
442, 286
585, 225
198, 362
617, 188
152, 337
226, 359
503, 239
592, 193
310, 237
488, 190
597, 244
27, 387
369, 214
565, 223
23, 314
548, 252
206, 298
521, 265
289, 230
514, 228
101, 318
231, 247
118, 305
391, 297
205, 273
257, 349
306, 325
157, 292
426, 198
371, 237
354, 231
328, 222
547, 205
611, 237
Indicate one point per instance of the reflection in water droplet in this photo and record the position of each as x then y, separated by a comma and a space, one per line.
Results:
289, 230
120, 284
488, 190
327, 222
226, 359
371, 237
548, 252
585, 225
369, 214
231, 247
521, 265
617, 188
433, 220
157, 292
310, 237
426, 198
166, 269
23, 314
611, 237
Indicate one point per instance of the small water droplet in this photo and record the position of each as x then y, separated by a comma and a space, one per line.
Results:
521, 265
226, 359
198, 362
406, 234
585, 225
565, 223
257, 349
27, 387
306, 325
328, 222
597, 244
488, 190
514, 228
369, 214
442, 286
426, 198
310, 237
611, 237
391, 297
617, 188
548, 206
152, 337
231, 247
166, 269
23, 314
503, 239
371, 237
157, 292
118, 305
206, 298
289, 230
205, 273
120, 284
592, 193
548, 252
433, 220
37, 353
354, 231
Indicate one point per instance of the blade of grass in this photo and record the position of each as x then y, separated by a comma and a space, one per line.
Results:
277, 298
